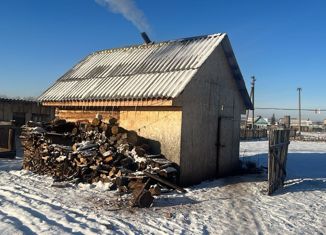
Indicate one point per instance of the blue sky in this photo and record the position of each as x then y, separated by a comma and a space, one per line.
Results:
282, 43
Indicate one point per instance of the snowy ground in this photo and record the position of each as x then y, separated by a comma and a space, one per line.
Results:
234, 205
314, 136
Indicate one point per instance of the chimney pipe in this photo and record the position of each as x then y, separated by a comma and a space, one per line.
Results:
145, 37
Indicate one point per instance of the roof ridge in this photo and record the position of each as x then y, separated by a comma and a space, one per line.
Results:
130, 47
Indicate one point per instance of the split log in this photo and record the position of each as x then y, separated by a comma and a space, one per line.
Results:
104, 126
132, 137
165, 182
113, 121
96, 122
136, 184
143, 198
114, 130
122, 181
155, 190
108, 159
113, 172
168, 172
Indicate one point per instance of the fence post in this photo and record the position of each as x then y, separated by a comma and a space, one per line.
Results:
277, 157
11, 139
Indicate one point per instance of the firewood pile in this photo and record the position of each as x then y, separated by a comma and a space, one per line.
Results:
98, 151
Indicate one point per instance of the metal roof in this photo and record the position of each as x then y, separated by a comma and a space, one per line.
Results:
155, 70
22, 100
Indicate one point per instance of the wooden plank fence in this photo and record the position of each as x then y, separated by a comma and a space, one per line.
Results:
250, 134
277, 157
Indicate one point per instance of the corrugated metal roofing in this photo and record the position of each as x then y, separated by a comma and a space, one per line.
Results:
155, 70
158, 70
22, 100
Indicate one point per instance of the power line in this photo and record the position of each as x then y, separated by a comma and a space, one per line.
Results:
292, 109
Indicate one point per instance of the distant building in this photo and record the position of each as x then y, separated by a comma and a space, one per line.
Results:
318, 126
259, 122
306, 124
22, 111
262, 123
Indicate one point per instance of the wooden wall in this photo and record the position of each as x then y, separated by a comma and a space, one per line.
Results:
212, 97
231, 107
161, 126
74, 115
27, 108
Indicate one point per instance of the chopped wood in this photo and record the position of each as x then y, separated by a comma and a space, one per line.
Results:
121, 181
96, 122
108, 159
142, 197
136, 185
98, 151
155, 190
145, 199
167, 172
114, 130
132, 137
113, 120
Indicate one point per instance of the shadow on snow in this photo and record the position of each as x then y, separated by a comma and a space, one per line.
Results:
305, 171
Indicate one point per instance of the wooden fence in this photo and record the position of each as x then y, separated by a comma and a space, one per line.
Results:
277, 157
7, 140
249, 134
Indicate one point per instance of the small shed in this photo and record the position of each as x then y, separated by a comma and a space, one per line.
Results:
185, 95
22, 110
7, 140
262, 123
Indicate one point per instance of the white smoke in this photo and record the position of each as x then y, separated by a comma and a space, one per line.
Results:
129, 10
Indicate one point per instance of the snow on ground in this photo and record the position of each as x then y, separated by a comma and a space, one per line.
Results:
233, 205
314, 134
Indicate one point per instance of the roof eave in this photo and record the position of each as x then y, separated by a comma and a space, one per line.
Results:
227, 48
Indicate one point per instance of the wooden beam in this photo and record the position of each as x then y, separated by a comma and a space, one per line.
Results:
165, 182
101, 103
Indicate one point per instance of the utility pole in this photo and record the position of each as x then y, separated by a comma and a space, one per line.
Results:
299, 90
252, 96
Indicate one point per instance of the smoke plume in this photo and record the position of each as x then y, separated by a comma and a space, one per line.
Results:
129, 10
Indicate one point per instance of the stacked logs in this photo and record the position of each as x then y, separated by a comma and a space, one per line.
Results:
97, 151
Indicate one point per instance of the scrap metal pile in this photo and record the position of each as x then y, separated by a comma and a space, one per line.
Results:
98, 151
